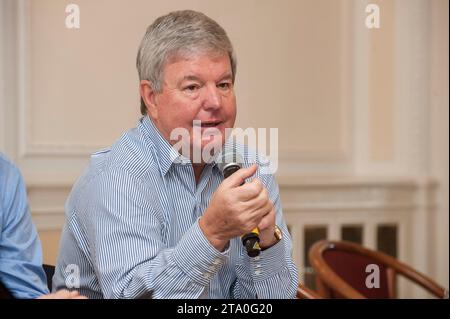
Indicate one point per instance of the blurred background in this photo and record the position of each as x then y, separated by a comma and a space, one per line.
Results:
362, 112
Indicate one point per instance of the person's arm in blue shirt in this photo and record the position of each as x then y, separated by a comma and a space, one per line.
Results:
273, 274
20, 249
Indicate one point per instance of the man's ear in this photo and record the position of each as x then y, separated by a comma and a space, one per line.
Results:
148, 95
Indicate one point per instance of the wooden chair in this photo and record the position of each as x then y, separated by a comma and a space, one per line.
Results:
304, 292
342, 270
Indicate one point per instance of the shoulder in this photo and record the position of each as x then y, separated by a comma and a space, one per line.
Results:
10, 177
13, 197
7, 168
122, 168
131, 155
134, 154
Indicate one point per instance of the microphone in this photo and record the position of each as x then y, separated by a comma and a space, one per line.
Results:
230, 163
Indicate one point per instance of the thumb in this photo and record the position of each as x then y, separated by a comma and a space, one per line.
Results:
238, 178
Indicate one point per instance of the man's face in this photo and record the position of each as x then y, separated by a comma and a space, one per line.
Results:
196, 88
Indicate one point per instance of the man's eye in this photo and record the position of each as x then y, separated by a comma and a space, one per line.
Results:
224, 85
191, 88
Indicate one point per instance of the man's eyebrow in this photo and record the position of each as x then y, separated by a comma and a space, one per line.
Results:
189, 78
227, 76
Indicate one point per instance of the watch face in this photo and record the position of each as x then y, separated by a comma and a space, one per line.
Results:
278, 233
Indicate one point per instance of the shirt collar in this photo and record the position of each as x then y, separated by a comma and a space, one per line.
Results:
166, 155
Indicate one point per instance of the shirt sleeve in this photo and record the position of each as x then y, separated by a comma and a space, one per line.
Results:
129, 255
20, 249
273, 274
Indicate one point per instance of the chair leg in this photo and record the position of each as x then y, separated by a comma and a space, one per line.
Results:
392, 282
322, 289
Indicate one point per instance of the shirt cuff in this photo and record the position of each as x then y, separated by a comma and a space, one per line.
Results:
269, 262
197, 258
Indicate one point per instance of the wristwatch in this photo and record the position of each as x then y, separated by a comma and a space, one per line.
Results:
278, 233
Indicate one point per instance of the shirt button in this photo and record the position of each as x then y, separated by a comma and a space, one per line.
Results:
258, 272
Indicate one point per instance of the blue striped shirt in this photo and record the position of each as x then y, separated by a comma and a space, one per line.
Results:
132, 228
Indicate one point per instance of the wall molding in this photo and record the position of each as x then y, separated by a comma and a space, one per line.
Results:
29, 148
310, 195
49, 218
50, 167
366, 202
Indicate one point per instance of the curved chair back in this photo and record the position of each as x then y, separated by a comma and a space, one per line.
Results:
304, 292
348, 270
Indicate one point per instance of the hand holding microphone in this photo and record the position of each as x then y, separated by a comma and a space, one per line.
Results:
237, 208
230, 164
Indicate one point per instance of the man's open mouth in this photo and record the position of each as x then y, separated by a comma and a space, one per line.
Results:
211, 124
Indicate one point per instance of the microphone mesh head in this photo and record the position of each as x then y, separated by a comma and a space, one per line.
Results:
229, 157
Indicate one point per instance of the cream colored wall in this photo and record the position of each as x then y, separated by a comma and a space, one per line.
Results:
439, 135
50, 245
349, 102
285, 65
381, 81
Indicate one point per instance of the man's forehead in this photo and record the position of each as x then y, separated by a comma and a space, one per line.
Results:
194, 54
196, 67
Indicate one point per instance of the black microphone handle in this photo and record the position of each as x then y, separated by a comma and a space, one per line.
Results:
250, 240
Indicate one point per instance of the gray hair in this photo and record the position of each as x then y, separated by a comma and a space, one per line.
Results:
177, 34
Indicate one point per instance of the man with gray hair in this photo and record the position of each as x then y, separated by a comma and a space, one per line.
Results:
148, 219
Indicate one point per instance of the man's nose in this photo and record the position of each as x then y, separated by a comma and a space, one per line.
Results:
212, 98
